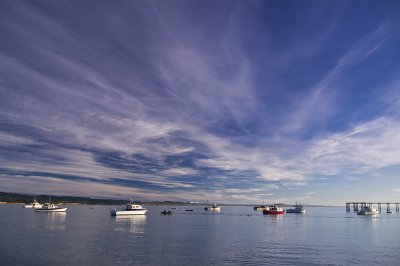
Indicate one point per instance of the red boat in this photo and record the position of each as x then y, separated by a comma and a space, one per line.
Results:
273, 210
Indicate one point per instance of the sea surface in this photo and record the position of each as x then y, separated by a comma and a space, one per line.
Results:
88, 235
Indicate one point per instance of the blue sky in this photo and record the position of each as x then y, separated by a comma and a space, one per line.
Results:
227, 101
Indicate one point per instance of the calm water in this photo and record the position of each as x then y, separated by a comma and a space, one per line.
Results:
236, 236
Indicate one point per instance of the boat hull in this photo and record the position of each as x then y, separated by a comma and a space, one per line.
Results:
124, 213
52, 210
368, 213
273, 212
296, 211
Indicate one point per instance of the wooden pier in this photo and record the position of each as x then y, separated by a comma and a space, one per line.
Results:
358, 205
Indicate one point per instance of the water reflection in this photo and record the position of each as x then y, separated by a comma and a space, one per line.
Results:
374, 221
55, 221
134, 224
275, 219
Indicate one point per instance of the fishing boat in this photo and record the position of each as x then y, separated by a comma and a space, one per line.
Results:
367, 210
260, 208
34, 205
298, 208
214, 208
50, 207
273, 210
131, 208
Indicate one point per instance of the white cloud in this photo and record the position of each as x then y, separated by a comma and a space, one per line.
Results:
179, 171
11, 140
367, 147
320, 99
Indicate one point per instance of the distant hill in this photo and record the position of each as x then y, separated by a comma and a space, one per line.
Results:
23, 198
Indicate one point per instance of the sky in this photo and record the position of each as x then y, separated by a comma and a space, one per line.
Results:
226, 101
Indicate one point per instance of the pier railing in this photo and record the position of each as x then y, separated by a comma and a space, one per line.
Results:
356, 206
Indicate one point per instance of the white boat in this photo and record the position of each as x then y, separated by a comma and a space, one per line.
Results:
34, 205
260, 208
298, 208
131, 209
214, 208
50, 207
366, 210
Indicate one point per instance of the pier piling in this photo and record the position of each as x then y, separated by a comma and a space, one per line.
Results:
357, 205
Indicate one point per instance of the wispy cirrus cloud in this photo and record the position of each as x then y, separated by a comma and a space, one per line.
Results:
321, 97
364, 148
